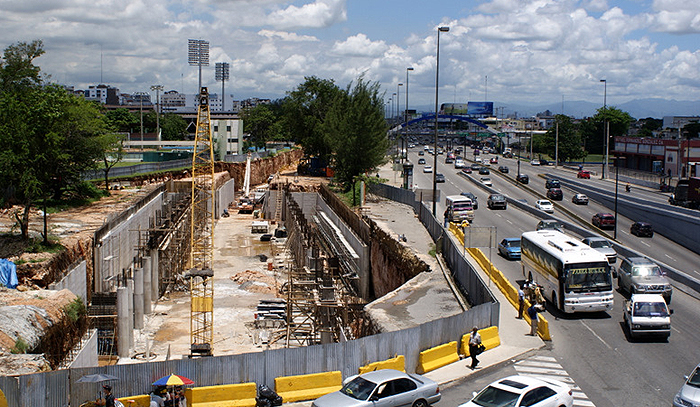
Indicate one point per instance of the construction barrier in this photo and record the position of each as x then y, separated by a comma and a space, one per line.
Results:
224, 395
489, 338
309, 386
143, 400
396, 363
439, 356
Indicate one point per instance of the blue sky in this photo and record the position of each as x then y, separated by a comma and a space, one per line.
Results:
532, 51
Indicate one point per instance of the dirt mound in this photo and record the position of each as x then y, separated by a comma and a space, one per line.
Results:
257, 282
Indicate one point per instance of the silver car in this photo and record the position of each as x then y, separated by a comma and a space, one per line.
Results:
385, 388
689, 394
639, 275
602, 245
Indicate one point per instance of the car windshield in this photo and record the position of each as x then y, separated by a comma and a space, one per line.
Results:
600, 243
646, 271
650, 309
588, 277
494, 397
511, 243
694, 378
358, 388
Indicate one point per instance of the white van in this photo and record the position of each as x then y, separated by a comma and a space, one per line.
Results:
459, 208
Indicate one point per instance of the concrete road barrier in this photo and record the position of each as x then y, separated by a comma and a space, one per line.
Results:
309, 386
489, 338
439, 356
224, 395
396, 363
143, 400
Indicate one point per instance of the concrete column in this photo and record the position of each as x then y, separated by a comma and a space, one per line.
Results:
123, 322
155, 280
138, 298
130, 287
147, 296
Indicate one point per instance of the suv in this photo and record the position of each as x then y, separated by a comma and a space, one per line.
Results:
641, 275
647, 314
475, 203
555, 194
496, 201
603, 220
642, 229
522, 178
552, 183
602, 245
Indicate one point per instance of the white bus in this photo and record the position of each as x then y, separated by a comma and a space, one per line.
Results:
574, 277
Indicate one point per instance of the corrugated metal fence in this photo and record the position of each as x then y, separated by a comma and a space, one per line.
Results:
137, 169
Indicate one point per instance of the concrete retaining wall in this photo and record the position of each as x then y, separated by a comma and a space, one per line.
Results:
75, 281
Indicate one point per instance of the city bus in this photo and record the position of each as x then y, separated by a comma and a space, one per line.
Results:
574, 277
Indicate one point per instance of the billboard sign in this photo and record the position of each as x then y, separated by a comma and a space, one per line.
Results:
480, 108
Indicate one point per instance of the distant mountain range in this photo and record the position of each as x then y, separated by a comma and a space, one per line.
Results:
637, 108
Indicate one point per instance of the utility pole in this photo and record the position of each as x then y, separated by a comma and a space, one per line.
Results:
157, 88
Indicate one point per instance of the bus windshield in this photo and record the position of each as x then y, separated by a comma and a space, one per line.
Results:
587, 277
462, 206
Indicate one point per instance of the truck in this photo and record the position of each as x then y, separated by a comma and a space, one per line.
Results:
459, 208
647, 315
686, 193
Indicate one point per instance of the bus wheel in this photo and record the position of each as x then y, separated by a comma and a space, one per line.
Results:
555, 301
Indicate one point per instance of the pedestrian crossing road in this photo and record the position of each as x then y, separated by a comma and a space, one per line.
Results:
548, 367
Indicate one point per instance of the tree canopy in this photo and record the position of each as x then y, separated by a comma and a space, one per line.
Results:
592, 128
570, 142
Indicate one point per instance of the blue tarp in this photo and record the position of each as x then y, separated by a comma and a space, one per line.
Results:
8, 274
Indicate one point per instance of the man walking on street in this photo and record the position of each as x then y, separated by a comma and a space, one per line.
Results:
521, 302
534, 319
474, 342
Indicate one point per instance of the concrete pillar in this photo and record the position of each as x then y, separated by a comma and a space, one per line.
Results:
155, 280
123, 322
138, 298
147, 296
130, 287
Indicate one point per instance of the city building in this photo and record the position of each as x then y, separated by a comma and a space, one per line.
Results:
668, 157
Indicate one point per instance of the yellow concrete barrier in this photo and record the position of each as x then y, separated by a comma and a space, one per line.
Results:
143, 400
439, 356
396, 363
489, 338
3, 400
224, 395
308, 386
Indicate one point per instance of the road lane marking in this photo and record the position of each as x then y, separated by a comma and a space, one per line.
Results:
669, 257
596, 335
646, 244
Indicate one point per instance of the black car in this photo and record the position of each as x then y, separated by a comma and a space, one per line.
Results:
552, 183
522, 178
421, 161
475, 167
503, 169
475, 203
496, 201
439, 177
642, 229
555, 194
421, 152
484, 171
449, 160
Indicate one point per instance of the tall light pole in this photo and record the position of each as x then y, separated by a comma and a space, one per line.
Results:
435, 147
405, 112
617, 166
222, 74
198, 54
605, 133
157, 88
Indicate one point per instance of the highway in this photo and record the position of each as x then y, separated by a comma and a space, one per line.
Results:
593, 348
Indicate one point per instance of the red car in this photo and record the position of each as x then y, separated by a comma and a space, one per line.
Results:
494, 160
603, 220
584, 174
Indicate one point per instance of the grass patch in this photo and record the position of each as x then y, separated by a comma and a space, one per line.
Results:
21, 346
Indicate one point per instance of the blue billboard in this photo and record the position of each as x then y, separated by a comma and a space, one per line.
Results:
480, 108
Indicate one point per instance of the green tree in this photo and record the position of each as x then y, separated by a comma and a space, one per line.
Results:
173, 127
112, 146
121, 120
570, 143
259, 122
357, 129
691, 130
649, 126
592, 128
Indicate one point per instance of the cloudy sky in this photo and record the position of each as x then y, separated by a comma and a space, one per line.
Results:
512, 51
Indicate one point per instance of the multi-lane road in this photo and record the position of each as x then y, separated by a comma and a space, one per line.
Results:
592, 348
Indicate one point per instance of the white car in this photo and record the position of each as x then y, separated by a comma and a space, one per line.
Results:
477, 159
428, 168
545, 205
535, 162
517, 391
459, 163
486, 181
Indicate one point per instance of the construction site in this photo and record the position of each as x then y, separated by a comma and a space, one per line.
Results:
228, 259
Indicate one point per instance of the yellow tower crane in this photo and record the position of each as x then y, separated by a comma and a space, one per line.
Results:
201, 273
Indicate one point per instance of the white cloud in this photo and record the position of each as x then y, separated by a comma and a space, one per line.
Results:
320, 13
286, 36
360, 45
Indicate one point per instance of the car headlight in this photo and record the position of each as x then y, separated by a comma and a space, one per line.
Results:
640, 287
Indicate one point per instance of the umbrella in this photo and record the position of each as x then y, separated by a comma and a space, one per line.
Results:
96, 378
172, 380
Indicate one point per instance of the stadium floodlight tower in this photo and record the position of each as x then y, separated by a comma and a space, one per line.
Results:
198, 54
222, 69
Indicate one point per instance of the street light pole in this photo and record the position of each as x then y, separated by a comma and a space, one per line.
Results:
617, 170
435, 147
157, 88
605, 133
405, 112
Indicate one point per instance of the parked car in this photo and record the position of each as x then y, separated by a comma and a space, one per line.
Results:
475, 202
552, 183
522, 178
584, 174
520, 391
603, 220
641, 275
642, 229
428, 168
439, 177
386, 387
467, 170
484, 171
421, 161
510, 248
646, 315
555, 194
602, 245
689, 394
503, 169
550, 224
544, 205
497, 201
486, 181
579, 199
535, 162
